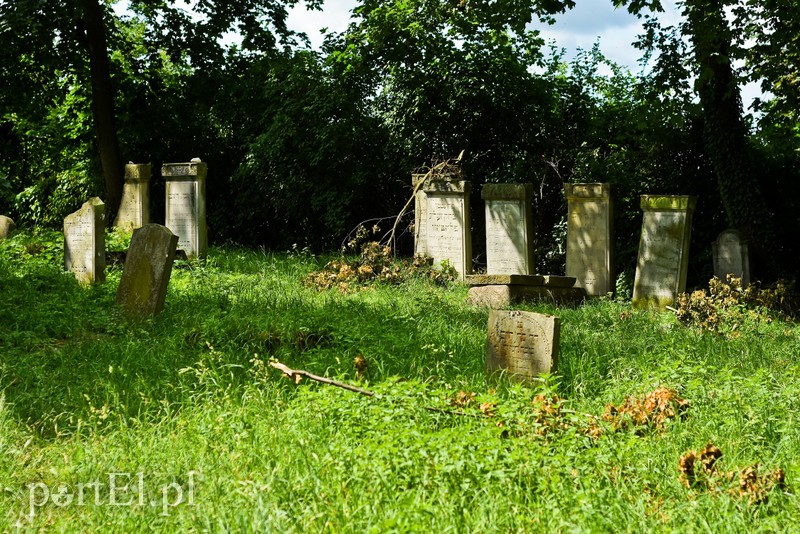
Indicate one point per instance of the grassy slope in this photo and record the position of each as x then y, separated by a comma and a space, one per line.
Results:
88, 393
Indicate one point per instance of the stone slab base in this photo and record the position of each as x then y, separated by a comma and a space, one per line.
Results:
500, 296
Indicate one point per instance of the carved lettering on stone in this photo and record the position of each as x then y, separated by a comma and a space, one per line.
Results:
509, 228
448, 224
589, 236
663, 250
523, 344
186, 205
85, 242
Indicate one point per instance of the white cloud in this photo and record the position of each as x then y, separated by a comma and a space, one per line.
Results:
335, 16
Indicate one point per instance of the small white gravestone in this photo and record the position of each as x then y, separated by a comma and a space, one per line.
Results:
418, 184
731, 256
663, 250
523, 344
448, 224
186, 205
7, 227
509, 228
589, 236
134, 210
85, 242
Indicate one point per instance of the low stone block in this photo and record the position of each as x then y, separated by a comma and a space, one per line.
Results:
552, 280
505, 279
522, 344
7, 226
501, 296
148, 267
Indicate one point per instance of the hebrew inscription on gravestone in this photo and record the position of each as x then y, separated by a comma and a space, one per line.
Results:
509, 228
448, 231
589, 236
523, 344
186, 205
85, 242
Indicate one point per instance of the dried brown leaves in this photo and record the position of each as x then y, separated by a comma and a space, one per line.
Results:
653, 409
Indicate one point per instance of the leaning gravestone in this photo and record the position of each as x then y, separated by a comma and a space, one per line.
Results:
523, 344
447, 230
663, 250
509, 228
85, 242
731, 256
134, 210
589, 236
186, 205
6, 226
418, 183
147, 270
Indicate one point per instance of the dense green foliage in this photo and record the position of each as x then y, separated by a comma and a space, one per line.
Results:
304, 145
87, 392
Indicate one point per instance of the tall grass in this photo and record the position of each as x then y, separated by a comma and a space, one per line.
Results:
187, 399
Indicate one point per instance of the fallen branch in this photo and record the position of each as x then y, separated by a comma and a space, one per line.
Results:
297, 374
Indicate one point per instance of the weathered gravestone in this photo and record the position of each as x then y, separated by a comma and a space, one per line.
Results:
147, 270
523, 344
589, 236
499, 291
85, 242
448, 232
186, 205
509, 228
418, 183
663, 250
6, 226
134, 210
731, 256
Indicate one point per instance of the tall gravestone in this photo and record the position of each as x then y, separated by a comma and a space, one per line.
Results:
85, 242
419, 183
589, 237
731, 256
134, 210
7, 226
523, 344
148, 267
509, 228
186, 205
663, 250
448, 231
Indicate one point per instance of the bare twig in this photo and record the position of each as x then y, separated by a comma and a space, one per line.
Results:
297, 374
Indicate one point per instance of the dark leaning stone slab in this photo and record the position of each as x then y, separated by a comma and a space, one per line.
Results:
552, 280
506, 279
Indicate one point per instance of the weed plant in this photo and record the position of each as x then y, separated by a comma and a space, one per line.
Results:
187, 400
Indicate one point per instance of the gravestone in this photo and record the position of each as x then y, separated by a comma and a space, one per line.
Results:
731, 256
85, 242
523, 344
499, 291
186, 205
589, 236
447, 230
134, 210
7, 226
509, 228
663, 250
418, 183
147, 270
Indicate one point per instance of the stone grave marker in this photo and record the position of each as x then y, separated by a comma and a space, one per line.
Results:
85, 242
509, 228
7, 226
418, 183
186, 205
589, 236
663, 250
134, 210
147, 270
523, 344
448, 232
731, 256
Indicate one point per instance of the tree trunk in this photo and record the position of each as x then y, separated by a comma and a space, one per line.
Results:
725, 133
103, 107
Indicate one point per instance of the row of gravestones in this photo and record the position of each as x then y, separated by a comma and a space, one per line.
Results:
442, 231
84, 230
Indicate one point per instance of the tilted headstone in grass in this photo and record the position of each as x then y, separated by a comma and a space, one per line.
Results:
448, 232
85, 242
731, 256
589, 236
522, 344
499, 291
134, 210
7, 226
663, 250
419, 183
148, 267
509, 228
186, 205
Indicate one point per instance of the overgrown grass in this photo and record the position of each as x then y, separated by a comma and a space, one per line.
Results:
188, 399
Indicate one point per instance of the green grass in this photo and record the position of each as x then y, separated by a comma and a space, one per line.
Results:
187, 398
